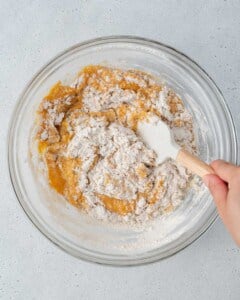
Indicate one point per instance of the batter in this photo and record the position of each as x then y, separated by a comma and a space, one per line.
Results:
87, 139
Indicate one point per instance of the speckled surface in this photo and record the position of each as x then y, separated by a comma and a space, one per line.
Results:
31, 33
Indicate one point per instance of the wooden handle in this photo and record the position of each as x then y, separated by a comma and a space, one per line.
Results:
193, 163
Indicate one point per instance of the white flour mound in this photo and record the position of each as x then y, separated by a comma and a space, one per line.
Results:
120, 151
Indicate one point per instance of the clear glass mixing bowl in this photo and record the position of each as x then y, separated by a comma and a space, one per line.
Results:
65, 225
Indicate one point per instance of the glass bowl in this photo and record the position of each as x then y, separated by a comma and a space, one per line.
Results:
100, 242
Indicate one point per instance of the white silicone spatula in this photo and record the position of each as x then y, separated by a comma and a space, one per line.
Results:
157, 136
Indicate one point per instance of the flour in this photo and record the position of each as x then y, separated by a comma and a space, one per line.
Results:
116, 174
96, 100
44, 135
118, 152
161, 103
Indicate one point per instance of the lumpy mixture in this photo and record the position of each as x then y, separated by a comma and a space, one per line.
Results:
87, 139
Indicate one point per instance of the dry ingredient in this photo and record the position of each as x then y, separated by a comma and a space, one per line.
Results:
93, 156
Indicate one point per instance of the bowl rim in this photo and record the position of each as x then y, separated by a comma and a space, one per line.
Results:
87, 43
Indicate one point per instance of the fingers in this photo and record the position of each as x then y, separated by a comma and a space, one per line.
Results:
219, 191
225, 188
224, 170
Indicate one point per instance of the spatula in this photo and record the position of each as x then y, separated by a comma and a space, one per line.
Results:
157, 136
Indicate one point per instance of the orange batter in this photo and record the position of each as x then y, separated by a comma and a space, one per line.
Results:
65, 102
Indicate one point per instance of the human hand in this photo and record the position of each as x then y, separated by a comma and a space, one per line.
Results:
225, 189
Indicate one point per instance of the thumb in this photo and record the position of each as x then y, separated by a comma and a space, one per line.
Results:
219, 191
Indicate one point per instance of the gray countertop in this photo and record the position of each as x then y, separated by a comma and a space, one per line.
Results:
32, 32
